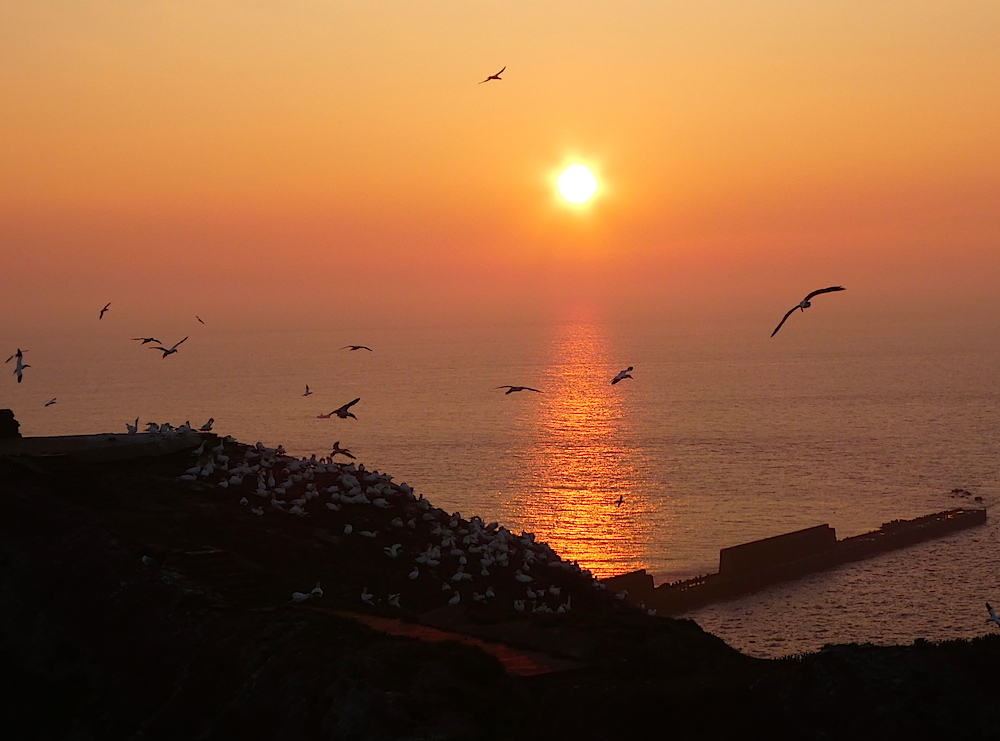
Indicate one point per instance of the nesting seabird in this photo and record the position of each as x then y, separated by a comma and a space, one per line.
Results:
207, 427
993, 618
805, 304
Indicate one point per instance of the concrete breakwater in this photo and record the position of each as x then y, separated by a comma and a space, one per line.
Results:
752, 566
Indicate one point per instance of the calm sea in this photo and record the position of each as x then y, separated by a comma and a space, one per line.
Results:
722, 436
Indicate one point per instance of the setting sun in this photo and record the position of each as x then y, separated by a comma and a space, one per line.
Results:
577, 184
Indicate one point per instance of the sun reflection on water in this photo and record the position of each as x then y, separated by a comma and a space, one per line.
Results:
566, 484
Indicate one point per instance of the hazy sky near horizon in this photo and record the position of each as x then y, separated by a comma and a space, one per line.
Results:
311, 161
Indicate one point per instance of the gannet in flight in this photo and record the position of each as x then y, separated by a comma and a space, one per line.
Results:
993, 618
168, 351
19, 366
17, 355
493, 77
356, 347
805, 304
308, 392
146, 340
101, 315
512, 389
207, 427
337, 450
199, 319
50, 402
622, 375
343, 412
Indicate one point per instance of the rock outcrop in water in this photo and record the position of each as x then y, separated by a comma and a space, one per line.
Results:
136, 605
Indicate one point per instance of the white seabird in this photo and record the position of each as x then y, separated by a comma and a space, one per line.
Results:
993, 618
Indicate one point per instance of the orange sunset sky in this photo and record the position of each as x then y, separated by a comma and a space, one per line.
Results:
299, 160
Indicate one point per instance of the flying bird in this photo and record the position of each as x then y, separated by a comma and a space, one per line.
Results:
19, 366
101, 315
620, 501
199, 319
622, 375
493, 77
132, 429
50, 402
342, 412
19, 354
512, 389
308, 392
805, 304
993, 618
341, 451
168, 351
147, 340
356, 347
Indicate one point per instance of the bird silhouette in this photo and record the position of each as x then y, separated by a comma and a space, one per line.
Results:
493, 77
512, 389
805, 304
168, 351
622, 375
343, 412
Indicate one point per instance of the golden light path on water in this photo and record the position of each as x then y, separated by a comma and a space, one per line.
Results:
579, 461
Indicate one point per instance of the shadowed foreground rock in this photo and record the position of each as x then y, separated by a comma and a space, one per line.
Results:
95, 643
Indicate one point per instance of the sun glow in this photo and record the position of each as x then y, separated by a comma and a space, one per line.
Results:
577, 184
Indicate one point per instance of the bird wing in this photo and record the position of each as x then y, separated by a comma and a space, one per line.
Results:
790, 311
528, 388
346, 406
505, 387
825, 290
365, 347
175, 346
501, 71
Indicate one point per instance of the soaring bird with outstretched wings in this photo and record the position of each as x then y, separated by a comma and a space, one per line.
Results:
512, 389
805, 304
493, 77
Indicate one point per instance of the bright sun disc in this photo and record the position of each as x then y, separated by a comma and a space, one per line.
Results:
577, 184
